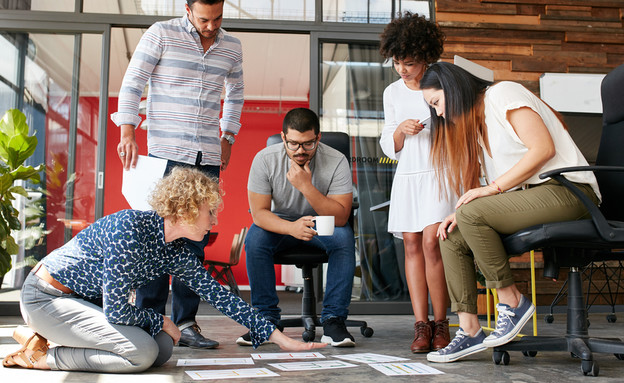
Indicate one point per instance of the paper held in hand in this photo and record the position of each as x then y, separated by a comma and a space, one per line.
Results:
139, 182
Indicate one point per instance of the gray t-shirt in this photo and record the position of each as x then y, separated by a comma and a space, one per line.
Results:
330, 175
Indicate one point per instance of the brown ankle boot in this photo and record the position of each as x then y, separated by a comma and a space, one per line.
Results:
422, 337
441, 337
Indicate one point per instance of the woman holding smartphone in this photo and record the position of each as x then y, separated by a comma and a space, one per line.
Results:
416, 204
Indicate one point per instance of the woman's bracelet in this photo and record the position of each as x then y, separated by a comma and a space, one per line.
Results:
495, 185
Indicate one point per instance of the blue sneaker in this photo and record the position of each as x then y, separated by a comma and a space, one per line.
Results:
461, 346
510, 322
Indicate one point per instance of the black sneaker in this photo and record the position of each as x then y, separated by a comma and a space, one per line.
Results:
245, 340
336, 334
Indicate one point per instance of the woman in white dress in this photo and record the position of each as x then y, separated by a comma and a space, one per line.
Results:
416, 205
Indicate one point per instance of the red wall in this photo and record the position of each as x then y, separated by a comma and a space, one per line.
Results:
259, 120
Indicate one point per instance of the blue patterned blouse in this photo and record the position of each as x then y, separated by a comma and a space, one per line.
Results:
127, 249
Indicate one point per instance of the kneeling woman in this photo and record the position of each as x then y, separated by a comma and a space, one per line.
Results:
108, 259
522, 137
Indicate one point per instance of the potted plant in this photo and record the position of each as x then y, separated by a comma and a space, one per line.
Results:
16, 145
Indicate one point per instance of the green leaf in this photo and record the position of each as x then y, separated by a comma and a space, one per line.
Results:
5, 261
21, 147
6, 181
14, 122
11, 246
26, 172
4, 141
10, 216
18, 190
4, 228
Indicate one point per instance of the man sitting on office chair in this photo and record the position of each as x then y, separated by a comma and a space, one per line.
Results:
302, 178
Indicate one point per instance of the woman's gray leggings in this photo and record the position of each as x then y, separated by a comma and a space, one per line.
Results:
88, 342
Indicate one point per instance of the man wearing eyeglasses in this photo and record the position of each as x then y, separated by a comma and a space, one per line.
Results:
288, 185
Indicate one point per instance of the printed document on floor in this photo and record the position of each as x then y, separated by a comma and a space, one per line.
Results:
213, 361
310, 366
369, 358
231, 374
287, 355
396, 369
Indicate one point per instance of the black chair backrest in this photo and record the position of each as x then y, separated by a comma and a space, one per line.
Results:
611, 151
337, 140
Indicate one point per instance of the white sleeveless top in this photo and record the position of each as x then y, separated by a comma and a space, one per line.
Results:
507, 148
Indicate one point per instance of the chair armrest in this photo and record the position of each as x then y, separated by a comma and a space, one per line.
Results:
606, 231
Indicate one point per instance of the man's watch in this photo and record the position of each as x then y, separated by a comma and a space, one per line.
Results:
229, 138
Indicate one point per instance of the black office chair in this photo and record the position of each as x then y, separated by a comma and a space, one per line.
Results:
307, 258
575, 244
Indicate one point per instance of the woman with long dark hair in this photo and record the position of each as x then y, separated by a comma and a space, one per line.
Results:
476, 122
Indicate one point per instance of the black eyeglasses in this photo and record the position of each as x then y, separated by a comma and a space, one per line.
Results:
307, 146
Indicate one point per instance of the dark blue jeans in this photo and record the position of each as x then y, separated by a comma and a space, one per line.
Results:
184, 302
260, 245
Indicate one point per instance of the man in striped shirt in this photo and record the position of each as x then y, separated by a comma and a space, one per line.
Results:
187, 62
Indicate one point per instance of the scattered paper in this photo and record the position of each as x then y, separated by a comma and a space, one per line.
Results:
214, 361
395, 369
231, 374
139, 182
287, 355
308, 366
370, 358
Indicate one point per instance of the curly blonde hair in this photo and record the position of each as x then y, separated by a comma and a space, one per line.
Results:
179, 195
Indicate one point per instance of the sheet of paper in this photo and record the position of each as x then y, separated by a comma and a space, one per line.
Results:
231, 374
287, 355
308, 366
214, 361
139, 182
396, 369
370, 358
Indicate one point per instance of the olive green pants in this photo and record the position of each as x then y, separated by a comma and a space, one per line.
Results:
476, 239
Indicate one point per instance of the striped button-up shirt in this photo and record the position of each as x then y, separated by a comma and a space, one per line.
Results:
185, 87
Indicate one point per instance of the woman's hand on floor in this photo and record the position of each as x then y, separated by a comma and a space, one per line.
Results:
289, 344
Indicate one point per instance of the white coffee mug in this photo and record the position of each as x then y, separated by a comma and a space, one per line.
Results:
324, 224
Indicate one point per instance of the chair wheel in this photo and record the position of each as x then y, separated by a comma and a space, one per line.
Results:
500, 357
308, 336
529, 353
619, 356
611, 318
549, 318
367, 331
589, 367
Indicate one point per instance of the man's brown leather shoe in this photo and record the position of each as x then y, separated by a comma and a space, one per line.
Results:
422, 337
441, 337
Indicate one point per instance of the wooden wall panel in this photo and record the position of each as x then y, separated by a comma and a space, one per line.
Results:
521, 39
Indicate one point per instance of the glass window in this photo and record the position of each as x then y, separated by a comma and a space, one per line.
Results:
370, 11
301, 10
353, 78
8, 72
47, 5
66, 196
8, 64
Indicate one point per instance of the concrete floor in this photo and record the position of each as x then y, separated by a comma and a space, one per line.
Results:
392, 337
